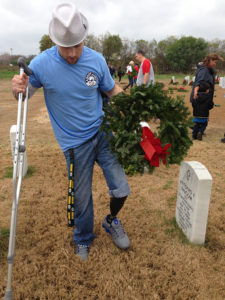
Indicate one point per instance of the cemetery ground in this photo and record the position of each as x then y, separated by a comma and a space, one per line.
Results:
160, 264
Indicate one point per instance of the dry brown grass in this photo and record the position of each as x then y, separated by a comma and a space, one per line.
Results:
160, 263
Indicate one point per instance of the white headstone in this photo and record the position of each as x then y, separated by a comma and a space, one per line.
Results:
173, 79
193, 197
193, 78
187, 78
13, 143
223, 83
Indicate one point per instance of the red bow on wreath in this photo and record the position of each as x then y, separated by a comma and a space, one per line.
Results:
152, 148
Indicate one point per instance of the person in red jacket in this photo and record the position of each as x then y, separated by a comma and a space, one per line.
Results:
146, 72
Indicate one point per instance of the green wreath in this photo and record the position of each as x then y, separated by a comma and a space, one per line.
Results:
124, 114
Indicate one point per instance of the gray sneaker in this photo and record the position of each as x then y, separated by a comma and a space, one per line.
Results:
82, 251
117, 232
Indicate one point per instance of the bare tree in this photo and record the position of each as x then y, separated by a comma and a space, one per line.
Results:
5, 58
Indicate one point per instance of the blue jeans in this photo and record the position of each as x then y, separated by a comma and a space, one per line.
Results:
199, 127
96, 149
131, 82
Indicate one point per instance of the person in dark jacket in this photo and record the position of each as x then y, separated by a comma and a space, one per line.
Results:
201, 106
120, 74
205, 72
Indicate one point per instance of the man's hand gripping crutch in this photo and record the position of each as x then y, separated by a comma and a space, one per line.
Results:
20, 88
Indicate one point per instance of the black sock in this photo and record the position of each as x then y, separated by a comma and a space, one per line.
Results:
115, 206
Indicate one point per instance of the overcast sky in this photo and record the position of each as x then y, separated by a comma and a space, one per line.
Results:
24, 22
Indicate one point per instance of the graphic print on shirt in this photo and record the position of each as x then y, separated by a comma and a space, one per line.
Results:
91, 79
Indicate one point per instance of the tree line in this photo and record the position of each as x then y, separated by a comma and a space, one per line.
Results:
173, 54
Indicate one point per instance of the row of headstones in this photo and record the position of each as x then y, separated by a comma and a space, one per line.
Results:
186, 78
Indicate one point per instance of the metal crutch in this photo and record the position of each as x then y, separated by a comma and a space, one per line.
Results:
20, 149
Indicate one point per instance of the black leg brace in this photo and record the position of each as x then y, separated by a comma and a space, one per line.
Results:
115, 206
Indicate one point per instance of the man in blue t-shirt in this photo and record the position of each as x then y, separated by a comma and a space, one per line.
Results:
72, 77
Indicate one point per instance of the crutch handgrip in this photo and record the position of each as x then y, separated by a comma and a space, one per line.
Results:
22, 64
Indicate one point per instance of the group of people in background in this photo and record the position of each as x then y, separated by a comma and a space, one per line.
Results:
202, 93
112, 70
132, 71
138, 73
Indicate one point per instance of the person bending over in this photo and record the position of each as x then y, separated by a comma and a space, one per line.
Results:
72, 76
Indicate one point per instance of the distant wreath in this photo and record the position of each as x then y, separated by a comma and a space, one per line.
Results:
123, 116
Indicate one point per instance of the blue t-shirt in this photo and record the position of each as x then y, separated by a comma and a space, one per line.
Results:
72, 93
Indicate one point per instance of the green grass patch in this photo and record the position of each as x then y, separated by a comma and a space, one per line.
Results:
8, 73
174, 230
4, 242
167, 185
168, 76
8, 172
171, 200
30, 172
4, 232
